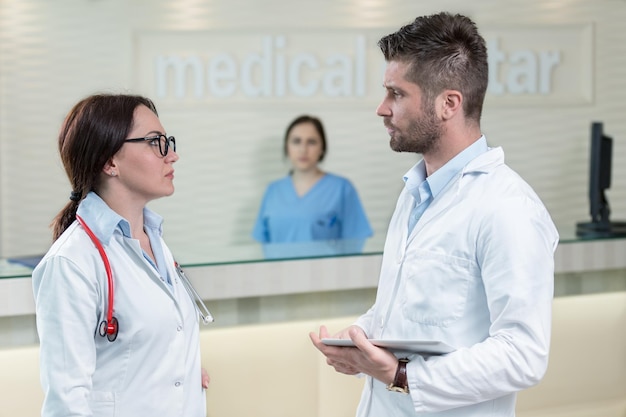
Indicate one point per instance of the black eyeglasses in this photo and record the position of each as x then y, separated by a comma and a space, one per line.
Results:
163, 142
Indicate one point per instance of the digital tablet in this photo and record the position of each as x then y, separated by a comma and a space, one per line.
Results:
431, 347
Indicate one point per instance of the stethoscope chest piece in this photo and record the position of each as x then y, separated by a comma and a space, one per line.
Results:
109, 329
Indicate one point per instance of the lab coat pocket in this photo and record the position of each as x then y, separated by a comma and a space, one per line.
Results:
436, 287
102, 403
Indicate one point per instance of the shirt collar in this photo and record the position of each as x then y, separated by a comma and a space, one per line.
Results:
439, 179
103, 221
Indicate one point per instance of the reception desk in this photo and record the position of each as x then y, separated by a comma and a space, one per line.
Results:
231, 273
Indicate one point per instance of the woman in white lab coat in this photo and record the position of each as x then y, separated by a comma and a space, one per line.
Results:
137, 353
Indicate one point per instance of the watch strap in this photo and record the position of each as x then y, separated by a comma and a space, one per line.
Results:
400, 381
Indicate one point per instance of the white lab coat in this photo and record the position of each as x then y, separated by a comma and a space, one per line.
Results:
477, 273
152, 369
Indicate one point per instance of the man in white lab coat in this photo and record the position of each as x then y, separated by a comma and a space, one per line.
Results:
469, 255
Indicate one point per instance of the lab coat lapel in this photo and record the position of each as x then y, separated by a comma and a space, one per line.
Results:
450, 194
154, 275
401, 214
177, 291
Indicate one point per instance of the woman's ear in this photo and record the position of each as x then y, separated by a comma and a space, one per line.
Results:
109, 168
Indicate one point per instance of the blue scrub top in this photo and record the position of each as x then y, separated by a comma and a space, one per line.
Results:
330, 210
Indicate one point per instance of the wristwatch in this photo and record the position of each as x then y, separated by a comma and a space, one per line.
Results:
400, 382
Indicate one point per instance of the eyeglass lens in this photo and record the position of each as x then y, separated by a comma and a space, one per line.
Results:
165, 143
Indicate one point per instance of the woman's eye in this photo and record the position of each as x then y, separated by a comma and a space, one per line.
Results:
154, 142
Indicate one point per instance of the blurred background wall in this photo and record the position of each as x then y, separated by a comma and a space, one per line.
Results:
228, 75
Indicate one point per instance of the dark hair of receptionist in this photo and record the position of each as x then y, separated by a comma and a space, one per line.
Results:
92, 132
317, 123
444, 51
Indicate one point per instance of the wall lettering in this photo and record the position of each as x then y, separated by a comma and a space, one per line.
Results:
525, 66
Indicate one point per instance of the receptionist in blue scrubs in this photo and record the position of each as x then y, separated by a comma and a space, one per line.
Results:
309, 204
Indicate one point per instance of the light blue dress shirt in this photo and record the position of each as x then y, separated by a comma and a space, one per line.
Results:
425, 189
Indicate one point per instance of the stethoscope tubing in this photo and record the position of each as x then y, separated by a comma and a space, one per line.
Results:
202, 309
110, 326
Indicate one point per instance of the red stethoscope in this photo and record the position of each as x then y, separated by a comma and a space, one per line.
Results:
109, 327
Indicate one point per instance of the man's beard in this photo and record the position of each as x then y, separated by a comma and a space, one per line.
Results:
422, 135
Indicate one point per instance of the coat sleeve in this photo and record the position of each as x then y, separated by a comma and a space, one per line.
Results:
67, 305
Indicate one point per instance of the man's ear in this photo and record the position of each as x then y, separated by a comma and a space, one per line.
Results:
451, 103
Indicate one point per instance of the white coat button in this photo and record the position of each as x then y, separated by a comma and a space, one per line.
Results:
177, 384
179, 328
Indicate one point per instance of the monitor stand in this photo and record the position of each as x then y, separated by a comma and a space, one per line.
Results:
600, 229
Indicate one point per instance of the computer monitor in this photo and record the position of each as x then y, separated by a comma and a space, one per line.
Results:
600, 159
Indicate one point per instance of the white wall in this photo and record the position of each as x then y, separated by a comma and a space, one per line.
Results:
54, 53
